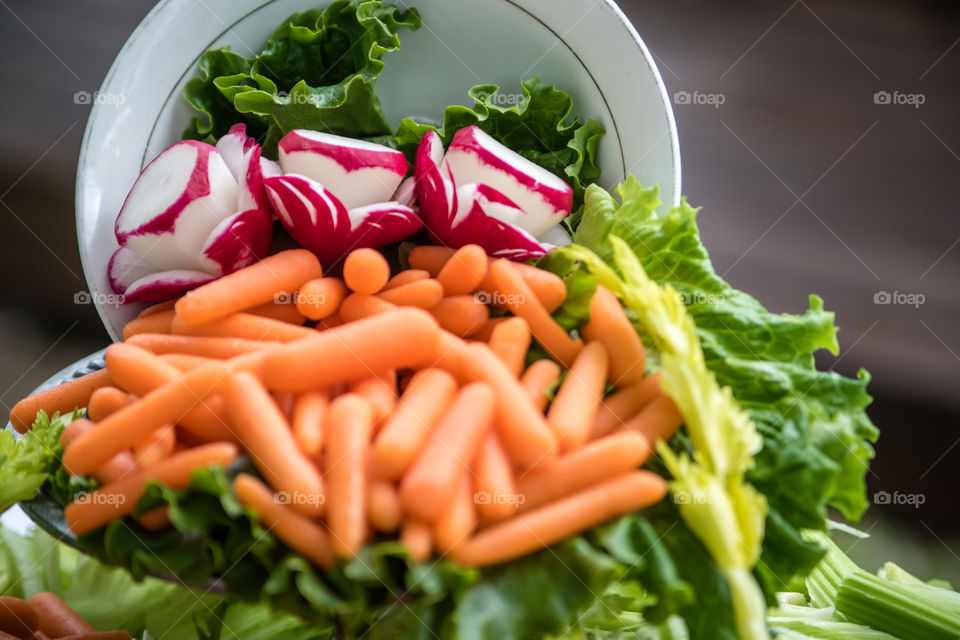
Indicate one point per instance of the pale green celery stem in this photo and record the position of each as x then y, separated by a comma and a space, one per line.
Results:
825, 579
749, 607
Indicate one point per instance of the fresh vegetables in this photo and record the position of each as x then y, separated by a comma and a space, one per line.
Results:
48, 615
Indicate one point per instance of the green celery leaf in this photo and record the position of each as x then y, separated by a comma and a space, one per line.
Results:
27, 461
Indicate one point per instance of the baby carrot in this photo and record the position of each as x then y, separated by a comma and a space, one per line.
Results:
348, 437
485, 332
462, 315
430, 258
304, 536
575, 407
430, 483
380, 392
464, 271
266, 436
521, 301
17, 617
366, 271
383, 506
105, 401
454, 525
510, 340
330, 322
118, 466
494, 482
401, 437
155, 447
547, 287
157, 308
281, 310
156, 519
658, 420
219, 348
619, 407
64, 398
309, 409
363, 305
425, 293
391, 340
56, 619
164, 405
561, 519
243, 325
609, 326
282, 273
417, 538
321, 298
155, 323
595, 462
406, 277
285, 401
118, 499
185, 362
538, 380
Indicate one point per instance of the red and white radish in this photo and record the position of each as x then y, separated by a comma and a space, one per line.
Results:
405, 193
241, 154
360, 172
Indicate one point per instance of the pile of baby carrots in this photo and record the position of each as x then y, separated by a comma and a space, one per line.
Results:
46, 617
375, 405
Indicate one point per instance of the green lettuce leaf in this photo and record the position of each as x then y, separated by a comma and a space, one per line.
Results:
27, 461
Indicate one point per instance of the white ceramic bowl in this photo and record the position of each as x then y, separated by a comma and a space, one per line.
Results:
589, 49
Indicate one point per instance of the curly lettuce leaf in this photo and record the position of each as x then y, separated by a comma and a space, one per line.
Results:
27, 461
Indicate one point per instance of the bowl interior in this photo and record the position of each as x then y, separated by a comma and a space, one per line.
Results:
591, 52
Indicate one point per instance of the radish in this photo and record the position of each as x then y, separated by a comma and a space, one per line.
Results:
319, 221
405, 193
241, 154
140, 281
474, 156
361, 172
239, 240
555, 236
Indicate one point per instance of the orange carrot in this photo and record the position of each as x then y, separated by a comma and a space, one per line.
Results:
348, 437
220, 348
619, 407
521, 301
185, 362
430, 258
417, 538
118, 466
462, 315
155, 447
454, 525
245, 326
495, 484
429, 485
610, 326
464, 271
383, 506
157, 308
547, 287
56, 619
266, 436
486, 331
330, 322
366, 271
283, 310
561, 519
380, 392
510, 340
309, 410
285, 402
279, 274
595, 462
17, 618
424, 293
154, 323
658, 420
64, 398
406, 277
321, 298
362, 305
575, 407
423, 402
156, 519
164, 405
297, 532
105, 401
538, 381
118, 499
391, 340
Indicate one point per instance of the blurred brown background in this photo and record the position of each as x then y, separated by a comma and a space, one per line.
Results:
821, 137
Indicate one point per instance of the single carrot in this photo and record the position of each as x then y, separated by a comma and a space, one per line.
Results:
118, 466
157, 308
610, 326
454, 525
538, 381
486, 331
423, 402
97, 635
105, 401
17, 617
118, 499
521, 301
304, 536
363, 305
380, 392
574, 409
348, 438
164, 405
464, 271
510, 340
383, 506
429, 485
63, 398
184, 361
154, 323
547, 287
622, 405
154, 447
156, 519
658, 420
219, 348
330, 322
281, 310
285, 401
430, 258
366, 271
417, 538
392, 340
594, 462
56, 619
495, 484
406, 277
245, 326
424, 293
462, 315
321, 298
265, 434
309, 410
279, 274
561, 519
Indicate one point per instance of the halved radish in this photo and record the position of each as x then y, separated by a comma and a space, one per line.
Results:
487, 218
241, 154
474, 156
240, 240
165, 285
434, 186
361, 172
405, 193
